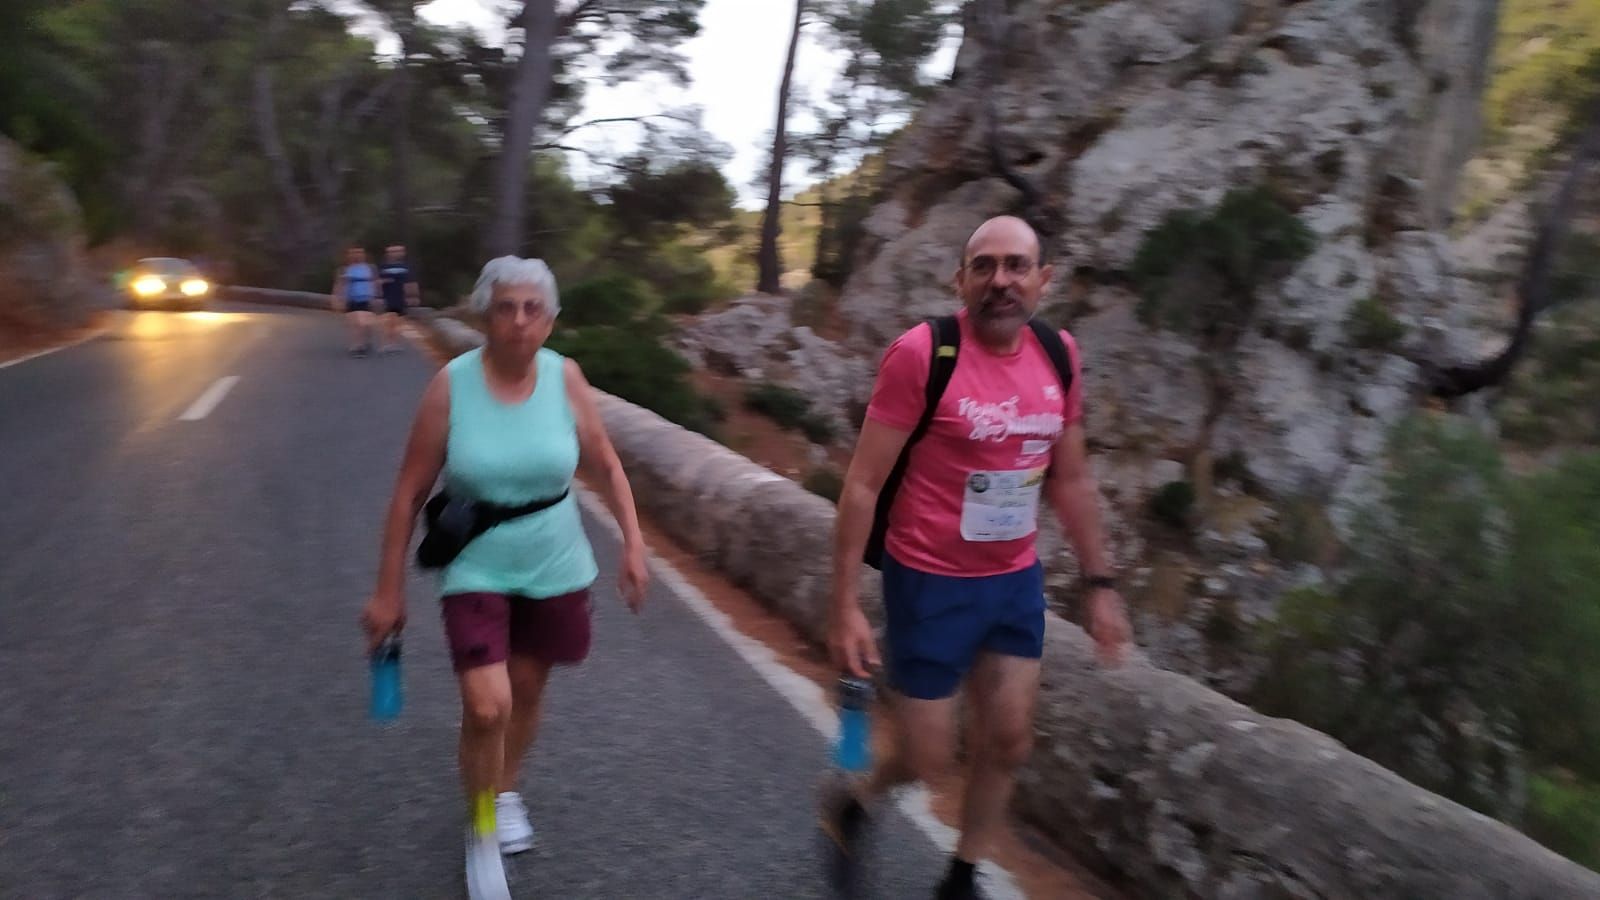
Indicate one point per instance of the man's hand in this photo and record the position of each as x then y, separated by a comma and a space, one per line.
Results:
1108, 625
850, 641
634, 578
385, 614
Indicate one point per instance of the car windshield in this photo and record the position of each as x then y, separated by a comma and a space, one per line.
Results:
173, 268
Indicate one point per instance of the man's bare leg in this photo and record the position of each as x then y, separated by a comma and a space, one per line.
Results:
1003, 692
923, 749
924, 746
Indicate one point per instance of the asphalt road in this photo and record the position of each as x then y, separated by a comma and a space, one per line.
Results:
182, 688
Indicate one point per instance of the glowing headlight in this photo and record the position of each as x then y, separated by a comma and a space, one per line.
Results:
148, 285
194, 287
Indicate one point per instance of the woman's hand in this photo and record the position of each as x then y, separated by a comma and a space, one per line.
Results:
633, 581
384, 614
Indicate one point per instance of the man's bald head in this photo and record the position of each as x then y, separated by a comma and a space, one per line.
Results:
1005, 231
1002, 278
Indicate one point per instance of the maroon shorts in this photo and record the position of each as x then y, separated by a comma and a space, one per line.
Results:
482, 629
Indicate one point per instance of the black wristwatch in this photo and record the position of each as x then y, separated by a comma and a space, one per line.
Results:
1100, 582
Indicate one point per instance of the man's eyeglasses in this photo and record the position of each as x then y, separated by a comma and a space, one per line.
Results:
987, 266
507, 309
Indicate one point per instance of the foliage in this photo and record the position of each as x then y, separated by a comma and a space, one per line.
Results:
634, 365
267, 135
1302, 533
1173, 504
1564, 815
886, 45
1465, 621
611, 299
889, 40
1372, 327
1198, 272
783, 405
1542, 63
825, 482
790, 409
1550, 399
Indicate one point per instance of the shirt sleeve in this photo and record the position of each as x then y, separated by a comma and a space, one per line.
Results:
1072, 410
898, 393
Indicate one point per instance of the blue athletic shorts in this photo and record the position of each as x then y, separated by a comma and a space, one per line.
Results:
938, 624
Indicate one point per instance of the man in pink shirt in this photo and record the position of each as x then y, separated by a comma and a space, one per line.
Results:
963, 588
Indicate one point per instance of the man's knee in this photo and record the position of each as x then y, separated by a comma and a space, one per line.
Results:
1006, 747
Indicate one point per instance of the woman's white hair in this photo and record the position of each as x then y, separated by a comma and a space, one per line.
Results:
514, 270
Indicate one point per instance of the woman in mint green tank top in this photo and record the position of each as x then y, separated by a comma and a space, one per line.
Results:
509, 424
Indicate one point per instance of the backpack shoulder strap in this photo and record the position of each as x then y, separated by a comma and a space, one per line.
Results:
1056, 349
941, 366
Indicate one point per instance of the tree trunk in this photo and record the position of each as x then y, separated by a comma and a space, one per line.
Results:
769, 260
1533, 288
400, 178
528, 95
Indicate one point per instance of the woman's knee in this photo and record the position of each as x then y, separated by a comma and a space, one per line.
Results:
488, 712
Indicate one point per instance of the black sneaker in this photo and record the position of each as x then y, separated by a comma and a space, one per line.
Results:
958, 887
843, 822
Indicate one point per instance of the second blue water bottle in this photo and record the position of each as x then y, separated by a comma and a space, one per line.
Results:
853, 751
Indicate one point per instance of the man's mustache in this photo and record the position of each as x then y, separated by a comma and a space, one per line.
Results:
996, 296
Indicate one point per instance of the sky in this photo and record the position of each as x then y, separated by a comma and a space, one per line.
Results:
735, 65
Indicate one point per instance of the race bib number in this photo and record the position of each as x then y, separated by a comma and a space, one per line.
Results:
1001, 506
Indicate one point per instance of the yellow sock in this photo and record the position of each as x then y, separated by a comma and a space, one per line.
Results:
483, 813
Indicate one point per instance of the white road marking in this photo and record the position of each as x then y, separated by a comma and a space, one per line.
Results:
49, 350
208, 401
805, 695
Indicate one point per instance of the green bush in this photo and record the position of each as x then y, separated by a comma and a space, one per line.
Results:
786, 406
1302, 533
1468, 588
817, 429
1173, 504
826, 483
1550, 398
1371, 327
1564, 815
635, 366
1198, 272
614, 299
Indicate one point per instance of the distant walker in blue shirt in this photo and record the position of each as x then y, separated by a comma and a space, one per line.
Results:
399, 292
354, 286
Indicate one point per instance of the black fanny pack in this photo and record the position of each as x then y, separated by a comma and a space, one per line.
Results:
453, 523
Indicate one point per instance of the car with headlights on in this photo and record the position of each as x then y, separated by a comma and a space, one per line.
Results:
166, 283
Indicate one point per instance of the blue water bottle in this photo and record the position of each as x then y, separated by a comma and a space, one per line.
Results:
386, 696
853, 752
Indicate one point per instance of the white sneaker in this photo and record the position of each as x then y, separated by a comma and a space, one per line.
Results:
511, 822
486, 873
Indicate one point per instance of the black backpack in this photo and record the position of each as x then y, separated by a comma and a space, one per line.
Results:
946, 345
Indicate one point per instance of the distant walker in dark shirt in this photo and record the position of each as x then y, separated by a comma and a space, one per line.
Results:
399, 292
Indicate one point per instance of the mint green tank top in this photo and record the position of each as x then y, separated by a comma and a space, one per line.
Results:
511, 454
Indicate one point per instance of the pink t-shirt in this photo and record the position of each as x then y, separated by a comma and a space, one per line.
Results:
969, 503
